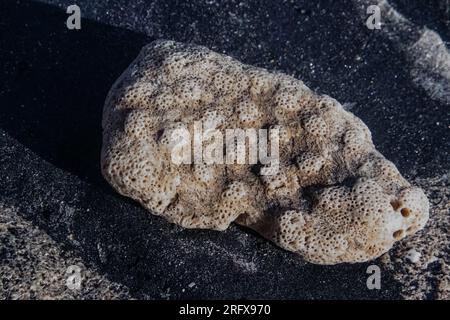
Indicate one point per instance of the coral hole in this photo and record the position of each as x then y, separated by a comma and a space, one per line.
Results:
405, 212
397, 234
395, 204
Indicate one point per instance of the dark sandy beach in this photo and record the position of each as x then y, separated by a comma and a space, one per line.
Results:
56, 210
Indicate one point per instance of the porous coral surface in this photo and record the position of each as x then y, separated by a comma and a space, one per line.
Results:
334, 199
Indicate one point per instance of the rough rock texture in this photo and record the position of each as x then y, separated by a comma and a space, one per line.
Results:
422, 262
335, 198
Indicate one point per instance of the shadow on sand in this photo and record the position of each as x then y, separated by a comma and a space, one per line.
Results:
54, 82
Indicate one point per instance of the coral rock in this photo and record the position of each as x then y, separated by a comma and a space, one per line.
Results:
334, 198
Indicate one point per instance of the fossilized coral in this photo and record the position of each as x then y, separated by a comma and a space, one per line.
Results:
334, 199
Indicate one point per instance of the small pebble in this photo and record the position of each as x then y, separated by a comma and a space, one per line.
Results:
413, 256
